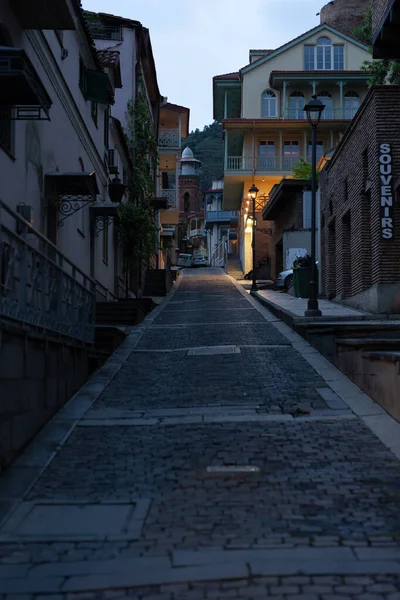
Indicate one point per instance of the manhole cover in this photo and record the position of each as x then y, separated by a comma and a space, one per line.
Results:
232, 469
76, 521
213, 350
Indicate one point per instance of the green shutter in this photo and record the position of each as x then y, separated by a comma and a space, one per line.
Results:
97, 86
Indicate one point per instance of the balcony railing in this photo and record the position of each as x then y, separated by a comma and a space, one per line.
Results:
169, 138
220, 216
39, 286
105, 32
171, 196
261, 163
329, 114
197, 233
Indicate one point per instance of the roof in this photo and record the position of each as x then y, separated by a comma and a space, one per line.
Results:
296, 40
120, 20
108, 57
274, 206
176, 107
231, 76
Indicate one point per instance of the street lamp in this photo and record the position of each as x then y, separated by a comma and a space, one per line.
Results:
314, 110
253, 191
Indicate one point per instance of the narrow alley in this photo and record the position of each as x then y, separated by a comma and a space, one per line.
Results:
215, 455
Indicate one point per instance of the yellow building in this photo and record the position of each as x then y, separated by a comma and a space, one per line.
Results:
174, 126
265, 127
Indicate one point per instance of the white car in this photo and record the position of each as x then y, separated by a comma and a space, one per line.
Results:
285, 279
200, 261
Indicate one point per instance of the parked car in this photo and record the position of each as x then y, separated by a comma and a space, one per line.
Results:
184, 260
200, 261
285, 279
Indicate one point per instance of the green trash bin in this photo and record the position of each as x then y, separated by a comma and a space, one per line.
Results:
301, 281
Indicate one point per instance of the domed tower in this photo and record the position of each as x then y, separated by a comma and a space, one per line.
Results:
189, 183
345, 15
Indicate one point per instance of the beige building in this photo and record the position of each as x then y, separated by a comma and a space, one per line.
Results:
265, 128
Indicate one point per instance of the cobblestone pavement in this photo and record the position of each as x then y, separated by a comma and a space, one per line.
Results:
201, 474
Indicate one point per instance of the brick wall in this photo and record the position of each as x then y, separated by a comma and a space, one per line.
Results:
379, 8
354, 253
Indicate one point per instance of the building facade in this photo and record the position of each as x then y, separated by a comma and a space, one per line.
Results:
221, 226
360, 209
193, 235
265, 129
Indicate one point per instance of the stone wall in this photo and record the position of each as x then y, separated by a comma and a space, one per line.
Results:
345, 15
37, 377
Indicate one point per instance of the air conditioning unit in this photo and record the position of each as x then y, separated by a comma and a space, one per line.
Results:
112, 161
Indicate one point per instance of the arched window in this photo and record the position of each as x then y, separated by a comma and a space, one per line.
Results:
186, 202
269, 104
351, 104
296, 106
326, 99
324, 53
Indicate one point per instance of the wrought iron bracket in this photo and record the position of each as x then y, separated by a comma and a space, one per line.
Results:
70, 206
101, 223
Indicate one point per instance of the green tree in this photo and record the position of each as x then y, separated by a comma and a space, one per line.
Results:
381, 71
207, 146
303, 170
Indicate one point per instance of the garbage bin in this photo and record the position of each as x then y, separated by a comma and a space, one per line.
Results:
302, 276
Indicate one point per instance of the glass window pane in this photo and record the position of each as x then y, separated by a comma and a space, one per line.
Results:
338, 58
328, 58
309, 63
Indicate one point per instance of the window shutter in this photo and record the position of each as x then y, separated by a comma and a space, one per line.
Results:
97, 86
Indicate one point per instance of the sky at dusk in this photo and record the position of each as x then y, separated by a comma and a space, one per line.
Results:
193, 40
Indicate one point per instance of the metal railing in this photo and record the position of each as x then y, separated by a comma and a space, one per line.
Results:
103, 294
218, 257
105, 32
171, 196
329, 114
262, 163
39, 286
220, 216
197, 233
169, 138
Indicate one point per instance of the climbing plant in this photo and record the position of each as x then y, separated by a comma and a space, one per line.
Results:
136, 225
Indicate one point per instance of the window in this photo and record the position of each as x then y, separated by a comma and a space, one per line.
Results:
326, 99
324, 56
95, 112
320, 151
338, 58
291, 154
351, 104
267, 156
296, 106
105, 240
269, 105
186, 202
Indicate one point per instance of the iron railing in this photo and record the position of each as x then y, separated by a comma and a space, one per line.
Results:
329, 114
39, 286
261, 163
105, 32
220, 216
169, 138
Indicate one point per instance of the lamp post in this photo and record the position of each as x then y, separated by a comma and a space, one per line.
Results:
314, 110
253, 191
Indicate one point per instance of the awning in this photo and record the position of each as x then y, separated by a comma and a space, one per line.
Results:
43, 14
104, 209
71, 184
160, 203
21, 87
279, 195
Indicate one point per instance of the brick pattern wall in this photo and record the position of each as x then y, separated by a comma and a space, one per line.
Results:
379, 8
192, 186
354, 254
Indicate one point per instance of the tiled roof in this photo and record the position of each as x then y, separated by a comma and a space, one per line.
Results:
108, 57
235, 75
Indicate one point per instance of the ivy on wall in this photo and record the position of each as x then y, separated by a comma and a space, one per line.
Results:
136, 225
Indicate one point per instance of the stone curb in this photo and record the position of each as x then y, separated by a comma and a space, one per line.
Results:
192, 566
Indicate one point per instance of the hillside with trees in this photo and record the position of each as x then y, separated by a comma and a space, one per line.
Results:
207, 146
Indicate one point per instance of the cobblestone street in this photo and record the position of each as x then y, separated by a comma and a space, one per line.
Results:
216, 455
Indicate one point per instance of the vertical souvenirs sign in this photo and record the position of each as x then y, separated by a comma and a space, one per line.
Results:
386, 190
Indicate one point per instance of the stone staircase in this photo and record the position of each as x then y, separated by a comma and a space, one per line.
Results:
234, 267
126, 311
158, 282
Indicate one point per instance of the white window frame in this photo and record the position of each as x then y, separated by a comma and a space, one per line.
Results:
268, 100
332, 56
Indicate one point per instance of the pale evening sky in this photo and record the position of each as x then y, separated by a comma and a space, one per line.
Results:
193, 40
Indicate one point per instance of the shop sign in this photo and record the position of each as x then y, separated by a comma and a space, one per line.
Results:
386, 190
